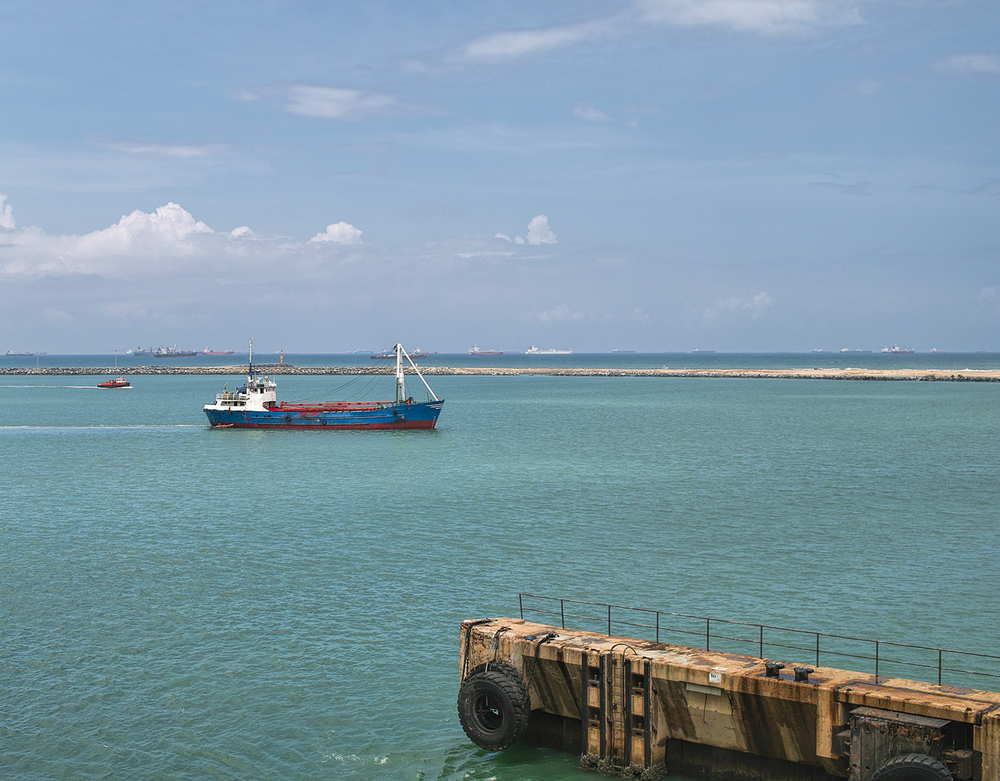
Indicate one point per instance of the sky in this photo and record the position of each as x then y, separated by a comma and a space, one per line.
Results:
654, 175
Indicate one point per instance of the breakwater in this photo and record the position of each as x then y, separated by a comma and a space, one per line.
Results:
927, 375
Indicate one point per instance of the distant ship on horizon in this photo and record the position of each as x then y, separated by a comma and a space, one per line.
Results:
535, 351
391, 354
476, 351
173, 352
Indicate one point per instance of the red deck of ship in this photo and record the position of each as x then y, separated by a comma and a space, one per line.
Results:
334, 406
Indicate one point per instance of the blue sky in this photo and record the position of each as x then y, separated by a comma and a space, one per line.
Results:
740, 175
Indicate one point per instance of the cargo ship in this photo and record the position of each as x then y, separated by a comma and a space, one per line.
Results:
390, 354
535, 351
477, 352
173, 352
255, 405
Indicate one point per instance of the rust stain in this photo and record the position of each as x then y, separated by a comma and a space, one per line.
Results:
725, 700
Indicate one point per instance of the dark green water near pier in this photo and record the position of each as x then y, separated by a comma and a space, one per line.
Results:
187, 603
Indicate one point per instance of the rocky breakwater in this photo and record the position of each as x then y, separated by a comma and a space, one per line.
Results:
939, 375
276, 369
84, 371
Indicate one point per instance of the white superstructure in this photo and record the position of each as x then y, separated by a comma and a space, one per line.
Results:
257, 394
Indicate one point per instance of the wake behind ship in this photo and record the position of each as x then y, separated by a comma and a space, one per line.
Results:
255, 405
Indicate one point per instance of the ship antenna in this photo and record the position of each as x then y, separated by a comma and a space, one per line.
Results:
250, 364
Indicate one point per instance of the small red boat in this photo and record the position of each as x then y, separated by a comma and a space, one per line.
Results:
117, 382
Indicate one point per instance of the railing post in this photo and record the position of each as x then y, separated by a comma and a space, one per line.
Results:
609, 620
817, 649
761, 654
876, 661
520, 603
708, 634
657, 626
562, 612
940, 652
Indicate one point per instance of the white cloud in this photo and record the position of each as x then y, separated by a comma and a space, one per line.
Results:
755, 306
166, 229
519, 239
560, 314
470, 255
969, 63
6, 214
140, 243
539, 231
518, 43
584, 111
768, 17
869, 86
336, 102
339, 233
168, 150
57, 315
166, 245
758, 305
503, 236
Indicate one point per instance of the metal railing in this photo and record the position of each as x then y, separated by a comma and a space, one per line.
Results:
878, 657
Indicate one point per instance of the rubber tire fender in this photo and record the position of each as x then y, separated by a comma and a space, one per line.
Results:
912, 767
493, 706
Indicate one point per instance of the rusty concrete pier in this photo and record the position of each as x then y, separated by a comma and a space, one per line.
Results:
641, 708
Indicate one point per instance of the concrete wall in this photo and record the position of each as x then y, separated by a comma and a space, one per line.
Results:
640, 704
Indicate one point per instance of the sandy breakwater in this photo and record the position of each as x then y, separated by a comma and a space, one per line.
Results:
932, 375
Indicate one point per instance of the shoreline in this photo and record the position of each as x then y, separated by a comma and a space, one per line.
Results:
931, 375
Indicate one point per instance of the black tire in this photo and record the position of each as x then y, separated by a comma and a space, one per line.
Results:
912, 767
493, 706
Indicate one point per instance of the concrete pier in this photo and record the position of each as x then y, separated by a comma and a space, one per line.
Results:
641, 709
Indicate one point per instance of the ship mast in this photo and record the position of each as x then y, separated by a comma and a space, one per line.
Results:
400, 388
400, 384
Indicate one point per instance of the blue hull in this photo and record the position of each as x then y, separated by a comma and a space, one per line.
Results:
391, 416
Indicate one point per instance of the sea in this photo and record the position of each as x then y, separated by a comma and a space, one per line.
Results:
181, 602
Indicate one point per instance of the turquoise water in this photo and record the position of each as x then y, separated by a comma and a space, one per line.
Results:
187, 603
